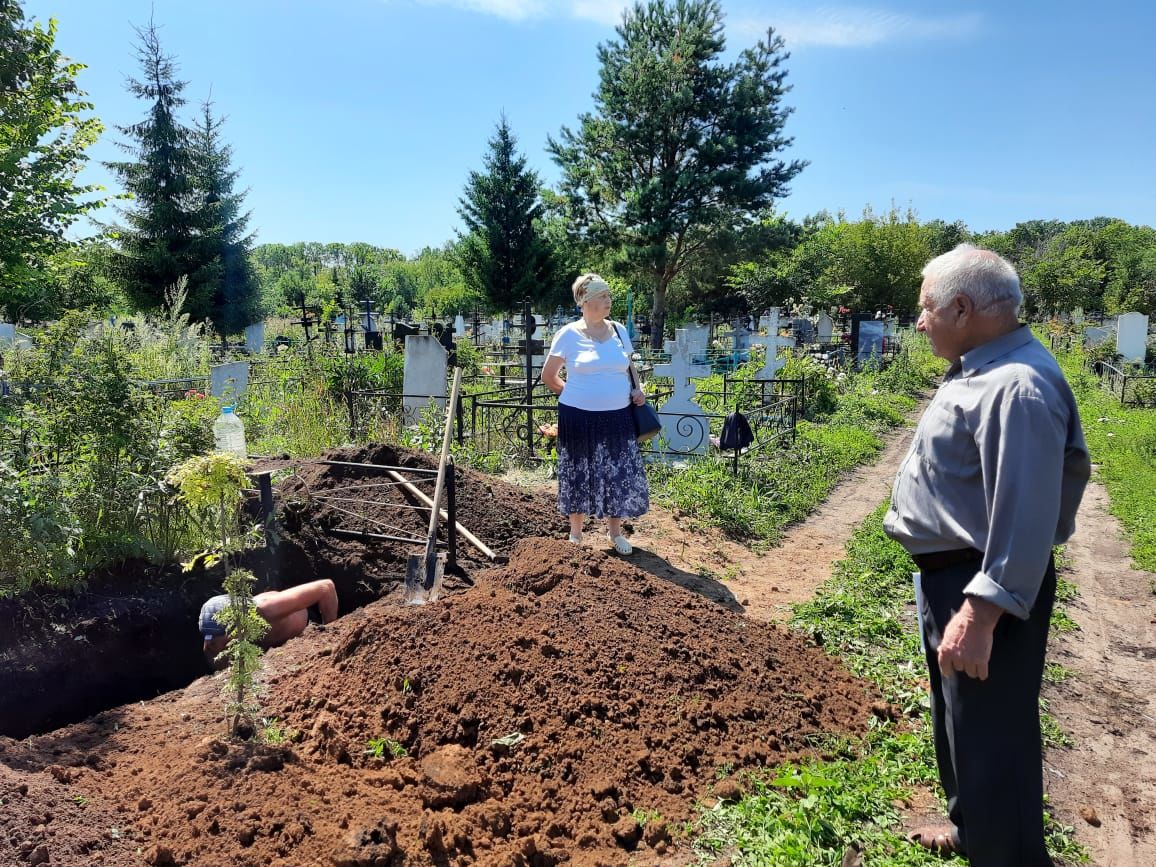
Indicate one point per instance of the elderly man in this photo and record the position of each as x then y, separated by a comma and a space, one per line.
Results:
995, 474
286, 611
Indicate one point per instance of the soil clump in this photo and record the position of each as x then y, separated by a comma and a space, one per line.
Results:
569, 708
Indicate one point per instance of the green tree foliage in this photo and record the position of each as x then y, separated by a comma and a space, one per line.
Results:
43, 138
231, 294
159, 244
504, 257
865, 264
682, 145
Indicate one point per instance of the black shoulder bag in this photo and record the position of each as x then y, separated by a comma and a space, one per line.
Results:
647, 424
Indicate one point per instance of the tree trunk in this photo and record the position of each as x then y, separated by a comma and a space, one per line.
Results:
658, 313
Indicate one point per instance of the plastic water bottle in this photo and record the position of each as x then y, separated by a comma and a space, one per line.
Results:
229, 432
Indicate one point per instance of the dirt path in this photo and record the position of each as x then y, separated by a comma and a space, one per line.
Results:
1105, 785
765, 585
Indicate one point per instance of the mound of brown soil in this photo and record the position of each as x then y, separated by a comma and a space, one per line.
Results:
568, 708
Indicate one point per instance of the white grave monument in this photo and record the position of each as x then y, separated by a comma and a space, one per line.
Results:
685, 429
424, 379
772, 341
459, 326
697, 341
1132, 337
255, 338
741, 336
229, 381
824, 328
1078, 316
7, 332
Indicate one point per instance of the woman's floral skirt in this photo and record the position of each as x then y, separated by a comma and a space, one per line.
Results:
600, 469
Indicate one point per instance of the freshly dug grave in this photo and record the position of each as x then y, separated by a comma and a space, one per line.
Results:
132, 633
499, 514
543, 714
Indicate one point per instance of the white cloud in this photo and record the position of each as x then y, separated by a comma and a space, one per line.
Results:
845, 27
608, 12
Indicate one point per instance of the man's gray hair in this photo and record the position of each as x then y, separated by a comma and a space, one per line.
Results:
985, 277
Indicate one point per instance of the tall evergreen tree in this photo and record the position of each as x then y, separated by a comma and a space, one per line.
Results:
43, 137
504, 256
231, 296
682, 145
159, 244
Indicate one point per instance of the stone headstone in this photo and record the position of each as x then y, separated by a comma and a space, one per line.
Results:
424, 378
870, 339
824, 328
1095, 336
7, 332
772, 341
255, 338
1132, 337
685, 429
697, 341
459, 326
741, 336
890, 326
229, 382
1078, 316
803, 330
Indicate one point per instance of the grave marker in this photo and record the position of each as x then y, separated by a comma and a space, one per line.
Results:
772, 364
685, 429
1132, 337
424, 377
229, 382
255, 338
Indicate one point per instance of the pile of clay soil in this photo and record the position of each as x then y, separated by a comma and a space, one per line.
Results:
499, 514
568, 708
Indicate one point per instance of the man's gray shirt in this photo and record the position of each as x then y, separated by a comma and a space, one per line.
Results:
999, 464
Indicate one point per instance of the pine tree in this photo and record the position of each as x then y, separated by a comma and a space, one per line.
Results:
159, 244
682, 145
504, 257
231, 296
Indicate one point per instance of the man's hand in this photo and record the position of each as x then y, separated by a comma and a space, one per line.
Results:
966, 644
637, 397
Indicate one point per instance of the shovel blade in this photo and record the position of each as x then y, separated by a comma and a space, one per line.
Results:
423, 578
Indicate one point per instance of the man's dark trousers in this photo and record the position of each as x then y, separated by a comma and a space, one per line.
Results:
987, 732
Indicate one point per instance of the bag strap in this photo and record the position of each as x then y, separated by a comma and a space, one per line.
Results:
629, 363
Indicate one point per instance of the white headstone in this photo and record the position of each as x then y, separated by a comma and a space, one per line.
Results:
1078, 316
459, 326
772, 341
1132, 337
890, 326
1095, 336
424, 379
741, 336
824, 328
697, 340
685, 429
229, 381
255, 338
7, 332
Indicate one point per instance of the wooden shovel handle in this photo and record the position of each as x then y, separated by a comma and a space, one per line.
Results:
451, 411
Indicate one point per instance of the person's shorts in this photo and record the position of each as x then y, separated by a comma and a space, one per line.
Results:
207, 622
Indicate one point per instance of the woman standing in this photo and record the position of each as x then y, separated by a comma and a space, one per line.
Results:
600, 469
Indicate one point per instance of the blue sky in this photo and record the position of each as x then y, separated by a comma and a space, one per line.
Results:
359, 120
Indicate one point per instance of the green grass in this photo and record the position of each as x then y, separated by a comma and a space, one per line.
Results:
1122, 442
809, 814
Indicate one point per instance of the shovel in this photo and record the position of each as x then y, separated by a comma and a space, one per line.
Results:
423, 572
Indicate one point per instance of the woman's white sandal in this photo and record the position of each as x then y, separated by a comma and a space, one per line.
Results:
576, 538
621, 545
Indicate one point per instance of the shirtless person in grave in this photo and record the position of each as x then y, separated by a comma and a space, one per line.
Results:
286, 611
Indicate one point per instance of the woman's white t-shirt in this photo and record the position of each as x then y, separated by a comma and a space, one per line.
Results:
596, 376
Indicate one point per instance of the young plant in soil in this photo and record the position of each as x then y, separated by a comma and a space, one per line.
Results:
212, 486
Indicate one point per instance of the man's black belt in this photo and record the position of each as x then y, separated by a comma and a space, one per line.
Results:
946, 559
